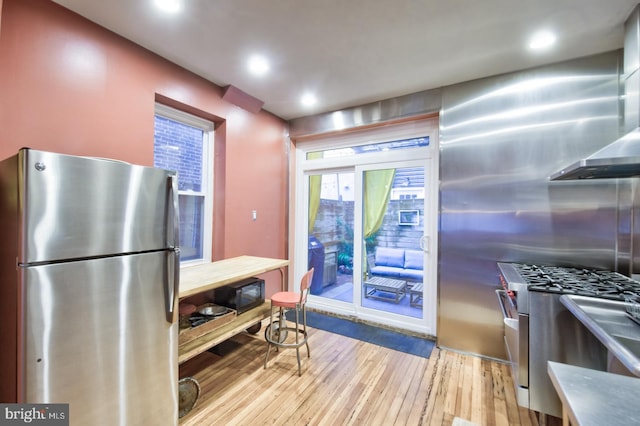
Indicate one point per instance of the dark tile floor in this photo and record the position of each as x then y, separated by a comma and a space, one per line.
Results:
369, 333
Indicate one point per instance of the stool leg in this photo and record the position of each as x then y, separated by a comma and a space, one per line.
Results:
282, 325
304, 327
266, 358
297, 342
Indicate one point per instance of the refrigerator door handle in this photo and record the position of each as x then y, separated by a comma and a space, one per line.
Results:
173, 285
173, 231
173, 216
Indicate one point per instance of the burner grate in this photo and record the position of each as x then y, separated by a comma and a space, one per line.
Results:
579, 281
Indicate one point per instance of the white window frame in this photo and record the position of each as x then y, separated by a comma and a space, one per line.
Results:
207, 128
426, 155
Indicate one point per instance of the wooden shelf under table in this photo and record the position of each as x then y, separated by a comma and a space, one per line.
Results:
243, 321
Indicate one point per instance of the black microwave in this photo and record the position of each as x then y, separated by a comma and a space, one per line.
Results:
242, 295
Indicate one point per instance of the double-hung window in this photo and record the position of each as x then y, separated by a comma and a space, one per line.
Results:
184, 142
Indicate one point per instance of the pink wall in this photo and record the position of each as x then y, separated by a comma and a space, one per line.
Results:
70, 86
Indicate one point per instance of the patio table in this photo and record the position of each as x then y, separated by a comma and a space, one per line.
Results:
375, 284
415, 295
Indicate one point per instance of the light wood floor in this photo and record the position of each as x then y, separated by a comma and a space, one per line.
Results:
348, 382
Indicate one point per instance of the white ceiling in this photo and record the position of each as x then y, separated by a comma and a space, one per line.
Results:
351, 52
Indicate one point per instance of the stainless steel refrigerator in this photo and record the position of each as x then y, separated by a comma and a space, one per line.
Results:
89, 271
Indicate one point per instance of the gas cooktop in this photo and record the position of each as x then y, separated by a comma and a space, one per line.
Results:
584, 282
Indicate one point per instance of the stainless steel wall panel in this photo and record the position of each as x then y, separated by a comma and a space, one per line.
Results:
632, 42
631, 73
424, 102
500, 139
634, 226
625, 223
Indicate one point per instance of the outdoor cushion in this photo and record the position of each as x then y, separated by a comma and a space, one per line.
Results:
387, 271
393, 257
413, 259
412, 274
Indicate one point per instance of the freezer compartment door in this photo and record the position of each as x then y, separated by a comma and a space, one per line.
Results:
96, 336
76, 207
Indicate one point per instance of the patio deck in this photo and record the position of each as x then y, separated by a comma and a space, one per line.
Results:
343, 290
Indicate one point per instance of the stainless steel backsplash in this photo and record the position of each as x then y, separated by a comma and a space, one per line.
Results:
500, 138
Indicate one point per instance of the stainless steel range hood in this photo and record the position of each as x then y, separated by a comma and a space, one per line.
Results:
620, 159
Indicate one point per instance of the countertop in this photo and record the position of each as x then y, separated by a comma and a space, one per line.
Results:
591, 397
199, 278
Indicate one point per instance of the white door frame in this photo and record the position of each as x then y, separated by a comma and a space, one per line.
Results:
423, 156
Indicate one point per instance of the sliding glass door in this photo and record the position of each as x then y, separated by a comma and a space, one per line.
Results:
392, 227
366, 221
330, 241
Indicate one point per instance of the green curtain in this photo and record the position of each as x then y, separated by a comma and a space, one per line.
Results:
315, 182
377, 189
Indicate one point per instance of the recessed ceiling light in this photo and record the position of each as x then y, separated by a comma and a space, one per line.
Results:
308, 99
172, 6
542, 40
258, 65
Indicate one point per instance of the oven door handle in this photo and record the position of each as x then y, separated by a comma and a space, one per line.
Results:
502, 295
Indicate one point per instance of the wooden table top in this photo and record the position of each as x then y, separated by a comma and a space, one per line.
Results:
199, 278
